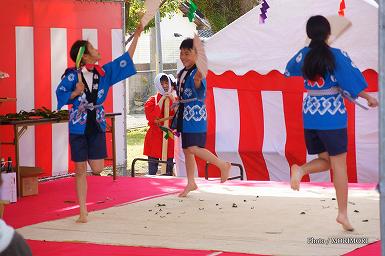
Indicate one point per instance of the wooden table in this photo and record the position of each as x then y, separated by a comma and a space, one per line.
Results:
23, 124
7, 100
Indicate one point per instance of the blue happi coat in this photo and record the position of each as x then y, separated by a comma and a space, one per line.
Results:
115, 71
328, 112
194, 112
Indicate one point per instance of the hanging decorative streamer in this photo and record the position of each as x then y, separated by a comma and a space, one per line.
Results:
263, 15
191, 11
341, 12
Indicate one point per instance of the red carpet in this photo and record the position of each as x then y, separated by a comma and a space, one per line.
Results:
373, 249
57, 199
40, 248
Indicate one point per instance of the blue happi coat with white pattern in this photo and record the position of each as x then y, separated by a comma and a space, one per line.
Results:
194, 112
115, 71
328, 112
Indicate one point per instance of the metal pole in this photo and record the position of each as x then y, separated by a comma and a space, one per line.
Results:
113, 148
125, 82
381, 86
159, 61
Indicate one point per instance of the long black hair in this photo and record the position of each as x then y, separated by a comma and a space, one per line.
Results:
74, 53
319, 59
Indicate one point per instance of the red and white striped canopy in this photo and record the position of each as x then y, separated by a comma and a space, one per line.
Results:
247, 45
254, 113
36, 36
256, 120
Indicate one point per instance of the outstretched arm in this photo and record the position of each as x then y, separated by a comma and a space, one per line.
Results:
372, 102
138, 31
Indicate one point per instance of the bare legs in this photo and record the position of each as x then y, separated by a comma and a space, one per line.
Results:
206, 155
81, 190
190, 169
81, 184
341, 185
322, 163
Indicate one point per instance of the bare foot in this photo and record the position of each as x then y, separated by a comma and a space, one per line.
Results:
344, 221
225, 172
188, 189
82, 218
296, 176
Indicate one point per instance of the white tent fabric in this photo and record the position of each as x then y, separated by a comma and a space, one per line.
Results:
246, 45
262, 141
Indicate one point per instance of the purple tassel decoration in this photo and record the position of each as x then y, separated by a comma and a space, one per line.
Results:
263, 15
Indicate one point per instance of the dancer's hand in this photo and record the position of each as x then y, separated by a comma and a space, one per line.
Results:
140, 28
78, 90
372, 102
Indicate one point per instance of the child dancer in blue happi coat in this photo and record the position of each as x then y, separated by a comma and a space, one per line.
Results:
191, 117
329, 74
86, 90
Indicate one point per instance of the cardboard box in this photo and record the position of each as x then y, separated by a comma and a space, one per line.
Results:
29, 186
8, 190
29, 180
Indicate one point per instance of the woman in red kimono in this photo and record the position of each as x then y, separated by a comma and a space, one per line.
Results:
154, 110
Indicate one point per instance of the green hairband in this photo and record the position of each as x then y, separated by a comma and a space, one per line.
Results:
80, 56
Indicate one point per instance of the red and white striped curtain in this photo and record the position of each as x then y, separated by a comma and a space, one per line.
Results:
36, 36
256, 120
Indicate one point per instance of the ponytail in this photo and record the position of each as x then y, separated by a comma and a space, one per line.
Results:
319, 60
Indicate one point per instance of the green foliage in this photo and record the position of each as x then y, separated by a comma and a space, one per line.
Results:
221, 13
135, 142
135, 7
136, 136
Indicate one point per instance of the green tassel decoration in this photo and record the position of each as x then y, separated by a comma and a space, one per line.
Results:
191, 11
